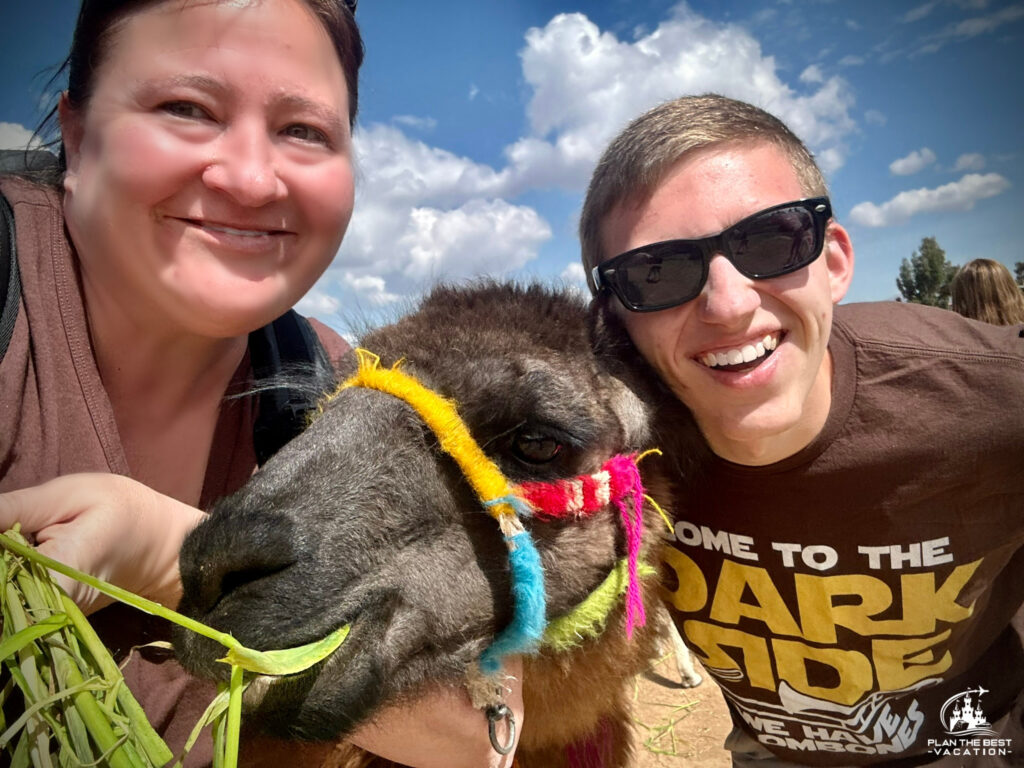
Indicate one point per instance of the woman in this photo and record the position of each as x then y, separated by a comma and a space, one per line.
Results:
208, 183
985, 290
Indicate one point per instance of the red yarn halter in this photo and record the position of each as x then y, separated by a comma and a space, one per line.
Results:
618, 481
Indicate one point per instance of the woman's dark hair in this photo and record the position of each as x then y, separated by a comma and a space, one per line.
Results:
98, 21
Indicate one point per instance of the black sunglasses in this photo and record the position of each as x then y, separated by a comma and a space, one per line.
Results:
769, 243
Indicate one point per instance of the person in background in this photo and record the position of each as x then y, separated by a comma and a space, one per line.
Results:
985, 290
848, 555
205, 184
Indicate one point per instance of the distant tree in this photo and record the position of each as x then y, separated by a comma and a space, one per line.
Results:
1018, 272
925, 277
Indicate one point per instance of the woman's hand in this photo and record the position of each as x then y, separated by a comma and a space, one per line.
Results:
441, 729
109, 526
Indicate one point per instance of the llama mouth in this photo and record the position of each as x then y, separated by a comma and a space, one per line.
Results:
742, 358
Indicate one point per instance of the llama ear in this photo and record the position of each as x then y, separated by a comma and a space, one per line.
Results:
634, 414
630, 393
607, 333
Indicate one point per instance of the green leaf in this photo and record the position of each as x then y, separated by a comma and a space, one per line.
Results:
30, 634
214, 710
286, 661
85, 685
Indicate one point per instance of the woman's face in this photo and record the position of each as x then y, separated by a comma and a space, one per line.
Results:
209, 176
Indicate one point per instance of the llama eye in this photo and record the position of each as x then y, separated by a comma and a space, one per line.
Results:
535, 448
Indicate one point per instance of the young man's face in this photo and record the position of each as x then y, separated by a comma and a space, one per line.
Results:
768, 408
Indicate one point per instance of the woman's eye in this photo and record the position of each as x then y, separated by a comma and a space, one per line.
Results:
185, 109
535, 448
305, 133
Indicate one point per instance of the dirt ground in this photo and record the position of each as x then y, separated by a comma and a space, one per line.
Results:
679, 726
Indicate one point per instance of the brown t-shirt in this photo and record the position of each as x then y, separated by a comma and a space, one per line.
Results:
860, 601
56, 419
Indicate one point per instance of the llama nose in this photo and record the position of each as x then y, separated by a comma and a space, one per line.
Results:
217, 560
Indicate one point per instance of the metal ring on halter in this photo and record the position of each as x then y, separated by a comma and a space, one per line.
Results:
495, 714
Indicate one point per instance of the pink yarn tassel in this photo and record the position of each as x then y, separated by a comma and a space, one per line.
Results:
632, 523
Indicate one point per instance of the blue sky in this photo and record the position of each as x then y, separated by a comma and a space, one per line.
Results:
480, 122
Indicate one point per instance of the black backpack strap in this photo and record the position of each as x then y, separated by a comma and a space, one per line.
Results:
10, 282
287, 345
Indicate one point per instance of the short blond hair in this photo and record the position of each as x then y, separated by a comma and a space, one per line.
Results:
985, 290
639, 158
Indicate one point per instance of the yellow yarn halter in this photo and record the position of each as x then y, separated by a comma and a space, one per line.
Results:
529, 614
441, 415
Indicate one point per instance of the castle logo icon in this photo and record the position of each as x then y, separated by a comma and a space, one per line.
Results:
962, 715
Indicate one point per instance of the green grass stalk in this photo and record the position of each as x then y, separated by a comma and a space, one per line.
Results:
233, 727
148, 739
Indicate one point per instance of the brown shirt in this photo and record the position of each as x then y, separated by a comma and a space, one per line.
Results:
56, 419
851, 598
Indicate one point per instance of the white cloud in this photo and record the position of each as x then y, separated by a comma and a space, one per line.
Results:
317, 303
970, 162
420, 123
573, 273
572, 280
588, 84
812, 74
874, 117
480, 237
851, 61
424, 213
980, 25
919, 12
829, 160
402, 170
957, 196
15, 136
370, 287
972, 27
912, 163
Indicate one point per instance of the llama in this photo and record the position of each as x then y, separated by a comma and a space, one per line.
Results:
366, 519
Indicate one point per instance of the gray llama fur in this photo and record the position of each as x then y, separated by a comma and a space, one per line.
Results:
362, 519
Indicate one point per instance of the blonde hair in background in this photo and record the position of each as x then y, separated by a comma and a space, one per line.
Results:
985, 290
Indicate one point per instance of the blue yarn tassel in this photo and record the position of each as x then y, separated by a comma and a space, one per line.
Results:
529, 619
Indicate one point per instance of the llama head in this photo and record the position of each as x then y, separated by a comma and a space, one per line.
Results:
364, 519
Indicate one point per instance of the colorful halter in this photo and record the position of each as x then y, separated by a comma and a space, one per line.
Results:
617, 482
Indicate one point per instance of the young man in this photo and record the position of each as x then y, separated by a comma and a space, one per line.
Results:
849, 556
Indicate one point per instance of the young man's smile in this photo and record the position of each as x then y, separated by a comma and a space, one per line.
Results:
742, 357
